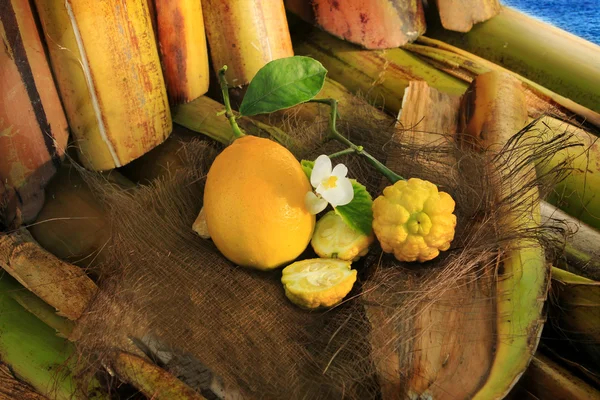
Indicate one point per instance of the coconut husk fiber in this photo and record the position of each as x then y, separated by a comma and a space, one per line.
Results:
160, 279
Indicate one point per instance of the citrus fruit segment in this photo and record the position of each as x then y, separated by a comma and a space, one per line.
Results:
254, 204
333, 238
318, 282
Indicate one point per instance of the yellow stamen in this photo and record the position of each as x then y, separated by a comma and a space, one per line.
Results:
330, 182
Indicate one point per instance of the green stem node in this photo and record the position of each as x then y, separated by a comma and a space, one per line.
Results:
334, 134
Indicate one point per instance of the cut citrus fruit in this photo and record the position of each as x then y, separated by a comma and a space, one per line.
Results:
318, 282
333, 238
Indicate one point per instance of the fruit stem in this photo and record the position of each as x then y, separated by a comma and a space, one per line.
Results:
237, 131
334, 134
349, 150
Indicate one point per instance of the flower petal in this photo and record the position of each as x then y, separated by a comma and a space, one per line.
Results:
340, 171
340, 195
321, 170
314, 204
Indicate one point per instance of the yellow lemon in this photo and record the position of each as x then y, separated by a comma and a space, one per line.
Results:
254, 204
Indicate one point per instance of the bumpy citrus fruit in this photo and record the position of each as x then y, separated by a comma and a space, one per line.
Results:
254, 204
318, 282
333, 238
414, 220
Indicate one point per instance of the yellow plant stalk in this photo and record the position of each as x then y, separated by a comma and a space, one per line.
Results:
382, 76
461, 15
108, 71
373, 24
245, 35
492, 111
33, 127
182, 44
558, 60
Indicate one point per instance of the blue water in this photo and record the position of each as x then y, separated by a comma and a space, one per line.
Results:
580, 17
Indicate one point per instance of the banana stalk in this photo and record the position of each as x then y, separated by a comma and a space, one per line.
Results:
492, 111
464, 65
547, 380
560, 61
34, 353
182, 44
43, 311
374, 24
64, 286
152, 381
577, 312
245, 35
33, 127
581, 253
577, 194
367, 71
381, 76
204, 115
460, 16
108, 71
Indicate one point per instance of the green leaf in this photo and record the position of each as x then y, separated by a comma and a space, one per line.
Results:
358, 213
283, 83
307, 167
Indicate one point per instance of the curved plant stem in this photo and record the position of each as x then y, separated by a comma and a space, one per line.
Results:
349, 150
237, 131
334, 134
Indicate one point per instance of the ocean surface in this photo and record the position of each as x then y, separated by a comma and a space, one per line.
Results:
580, 17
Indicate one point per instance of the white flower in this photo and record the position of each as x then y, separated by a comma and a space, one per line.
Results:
331, 186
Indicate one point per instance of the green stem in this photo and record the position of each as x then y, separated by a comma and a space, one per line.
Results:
334, 134
349, 150
237, 131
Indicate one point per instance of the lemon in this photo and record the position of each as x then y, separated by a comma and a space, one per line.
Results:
333, 238
318, 282
254, 204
